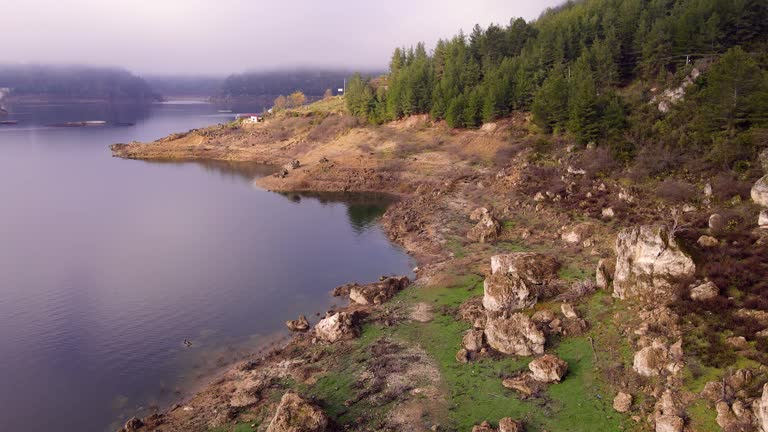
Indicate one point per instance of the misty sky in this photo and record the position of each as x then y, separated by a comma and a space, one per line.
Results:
226, 36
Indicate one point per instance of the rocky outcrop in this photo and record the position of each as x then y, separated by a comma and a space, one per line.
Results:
294, 414
516, 280
506, 424
378, 292
762, 218
759, 192
548, 369
298, 325
669, 423
337, 326
516, 335
705, 291
133, 424
487, 229
650, 265
622, 402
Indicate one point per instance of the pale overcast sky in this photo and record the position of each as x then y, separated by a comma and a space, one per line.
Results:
224, 36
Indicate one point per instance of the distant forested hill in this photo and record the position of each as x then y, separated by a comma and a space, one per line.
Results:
179, 86
75, 83
309, 82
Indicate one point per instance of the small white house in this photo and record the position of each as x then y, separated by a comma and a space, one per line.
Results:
250, 118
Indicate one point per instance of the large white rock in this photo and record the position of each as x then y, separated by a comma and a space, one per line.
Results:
762, 220
705, 291
650, 265
760, 192
516, 335
337, 326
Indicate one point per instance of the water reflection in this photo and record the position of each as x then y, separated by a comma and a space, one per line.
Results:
363, 208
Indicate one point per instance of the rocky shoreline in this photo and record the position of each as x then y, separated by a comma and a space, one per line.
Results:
555, 286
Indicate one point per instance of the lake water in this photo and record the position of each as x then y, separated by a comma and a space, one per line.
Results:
107, 265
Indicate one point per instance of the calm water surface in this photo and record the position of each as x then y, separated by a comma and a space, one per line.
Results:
107, 265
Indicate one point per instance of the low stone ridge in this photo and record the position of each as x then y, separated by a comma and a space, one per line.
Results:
650, 265
378, 292
295, 414
516, 335
338, 326
298, 325
506, 424
548, 368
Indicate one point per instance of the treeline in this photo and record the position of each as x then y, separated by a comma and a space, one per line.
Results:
309, 82
75, 83
568, 65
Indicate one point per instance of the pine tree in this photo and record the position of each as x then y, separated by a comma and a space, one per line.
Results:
582, 102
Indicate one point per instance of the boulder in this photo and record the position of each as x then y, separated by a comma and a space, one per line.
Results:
294, 414
705, 291
462, 356
603, 274
707, 241
378, 292
763, 158
650, 265
715, 222
472, 340
669, 423
762, 219
655, 359
516, 335
523, 384
507, 291
337, 326
543, 316
483, 427
759, 192
760, 408
548, 368
534, 268
735, 418
607, 213
487, 229
507, 424
622, 402
298, 325
516, 279
568, 310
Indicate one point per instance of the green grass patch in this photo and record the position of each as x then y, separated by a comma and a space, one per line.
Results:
702, 417
582, 402
511, 247
573, 273
457, 248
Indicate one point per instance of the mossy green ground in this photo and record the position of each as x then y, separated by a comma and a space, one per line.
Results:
474, 390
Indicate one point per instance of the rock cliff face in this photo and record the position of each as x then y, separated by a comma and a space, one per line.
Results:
650, 265
760, 192
761, 411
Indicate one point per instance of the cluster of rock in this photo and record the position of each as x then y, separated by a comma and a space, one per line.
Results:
378, 292
506, 424
736, 411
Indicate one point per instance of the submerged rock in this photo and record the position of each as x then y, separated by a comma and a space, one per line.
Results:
294, 414
337, 326
516, 335
650, 265
298, 325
